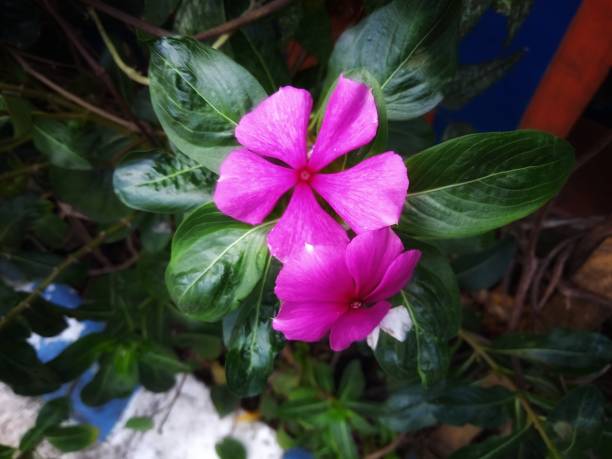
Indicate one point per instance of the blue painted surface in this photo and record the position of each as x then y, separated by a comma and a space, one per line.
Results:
502, 105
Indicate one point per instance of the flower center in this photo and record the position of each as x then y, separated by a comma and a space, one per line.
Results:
356, 305
304, 175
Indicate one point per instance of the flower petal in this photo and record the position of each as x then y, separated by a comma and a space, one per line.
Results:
396, 323
368, 196
316, 274
356, 324
397, 276
350, 121
249, 186
306, 321
278, 126
369, 255
304, 222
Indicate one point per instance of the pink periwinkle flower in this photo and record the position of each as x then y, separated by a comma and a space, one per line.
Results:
342, 290
275, 158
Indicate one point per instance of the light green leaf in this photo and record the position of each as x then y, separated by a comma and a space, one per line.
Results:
410, 48
139, 423
162, 183
53, 413
199, 95
479, 182
215, 263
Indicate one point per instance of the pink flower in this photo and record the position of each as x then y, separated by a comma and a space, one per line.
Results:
342, 290
274, 159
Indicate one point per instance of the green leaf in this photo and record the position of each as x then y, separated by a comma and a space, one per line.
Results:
215, 263
398, 359
193, 16
410, 136
116, 378
472, 12
563, 350
73, 438
482, 270
158, 11
205, 346
352, 382
65, 144
155, 232
162, 183
157, 366
52, 414
493, 447
6, 452
479, 182
199, 95
517, 11
410, 48
45, 319
471, 80
20, 111
343, 442
224, 399
230, 448
21, 369
139, 423
89, 192
254, 344
576, 423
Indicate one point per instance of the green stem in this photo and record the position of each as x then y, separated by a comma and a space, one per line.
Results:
68, 261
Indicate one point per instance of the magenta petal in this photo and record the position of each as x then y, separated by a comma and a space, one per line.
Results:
350, 121
368, 196
397, 276
304, 222
278, 126
369, 255
249, 186
356, 324
316, 274
306, 321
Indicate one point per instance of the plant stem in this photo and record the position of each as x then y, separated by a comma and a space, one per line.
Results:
69, 260
472, 341
132, 73
127, 19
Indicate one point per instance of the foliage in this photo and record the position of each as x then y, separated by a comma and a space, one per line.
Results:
110, 179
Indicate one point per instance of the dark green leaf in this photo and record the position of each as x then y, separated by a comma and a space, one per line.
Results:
230, 448
254, 345
410, 136
162, 183
482, 270
158, 11
195, 16
225, 400
155, 232
471, 80
21, 369
199, 95
207, 347
20, 111
45, 319
6, 452
157, 367
72, 438
472, 12
564, 350
139, 423
352, 382
65, 144
53, 413
577, 421
398, 359
473, 184
410, 48
117, 376
517, 11
493, 447
216, 262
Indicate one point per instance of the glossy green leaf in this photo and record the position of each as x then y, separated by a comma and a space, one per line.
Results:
398, 359
65, 144
73, 438
254, 344
493, 447
410, 136
472, 80
576, 423
564, 350
117, 376
139, 423
352, 382
410, 48
53, 413
482, 270
193, 16
163, 183
473, 184
199, 95
216, 262
230, 448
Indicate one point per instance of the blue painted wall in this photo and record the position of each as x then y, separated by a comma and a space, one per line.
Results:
501, 107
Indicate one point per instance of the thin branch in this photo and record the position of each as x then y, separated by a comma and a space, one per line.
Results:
241, 21
76, 99
68, 261
572, 291
132, 73
127, 19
